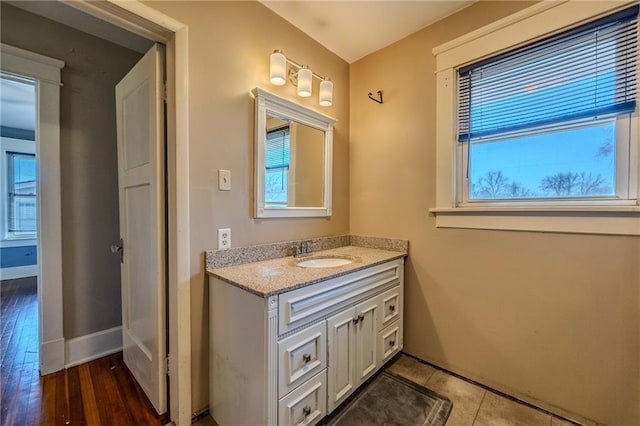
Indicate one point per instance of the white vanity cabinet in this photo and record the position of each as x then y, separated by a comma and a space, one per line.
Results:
291, 358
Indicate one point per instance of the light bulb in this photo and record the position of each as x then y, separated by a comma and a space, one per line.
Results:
305, 82
278, 68
326, 92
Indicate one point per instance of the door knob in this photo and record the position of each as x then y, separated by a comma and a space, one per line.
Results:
119, 248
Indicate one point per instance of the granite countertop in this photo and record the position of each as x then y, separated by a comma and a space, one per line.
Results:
275, 276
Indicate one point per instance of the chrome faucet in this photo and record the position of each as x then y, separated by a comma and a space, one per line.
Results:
302, 249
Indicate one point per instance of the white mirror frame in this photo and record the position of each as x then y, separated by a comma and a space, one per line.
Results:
266, 103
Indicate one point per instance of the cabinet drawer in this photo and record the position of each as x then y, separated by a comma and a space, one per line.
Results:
307, 404
390, 307
301, 306
301, 356
389, 342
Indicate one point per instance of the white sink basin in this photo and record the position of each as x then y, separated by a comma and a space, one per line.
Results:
324, 262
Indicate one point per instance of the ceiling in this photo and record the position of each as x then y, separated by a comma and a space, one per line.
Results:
74, 18
17, 98
354, 29
17, 103
351, 29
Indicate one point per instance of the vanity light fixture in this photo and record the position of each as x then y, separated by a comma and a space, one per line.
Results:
278, 68
326, 92
301, 76
305, 81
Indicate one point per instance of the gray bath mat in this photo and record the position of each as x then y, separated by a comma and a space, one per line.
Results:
392, 400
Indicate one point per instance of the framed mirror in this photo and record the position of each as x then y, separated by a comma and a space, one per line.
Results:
293, 159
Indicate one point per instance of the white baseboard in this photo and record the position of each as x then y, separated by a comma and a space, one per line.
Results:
18, 272
52, 356
92, 346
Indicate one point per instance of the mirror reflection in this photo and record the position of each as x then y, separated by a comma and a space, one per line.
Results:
293, 159
294, 164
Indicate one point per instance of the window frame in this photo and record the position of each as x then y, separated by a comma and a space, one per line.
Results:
12, 146
622, 195
594, 215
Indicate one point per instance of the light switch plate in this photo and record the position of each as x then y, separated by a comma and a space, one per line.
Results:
224, 238
224, 180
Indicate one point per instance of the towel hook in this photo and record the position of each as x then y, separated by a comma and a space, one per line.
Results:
379, 92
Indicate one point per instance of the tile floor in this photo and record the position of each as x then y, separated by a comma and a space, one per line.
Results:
472, 405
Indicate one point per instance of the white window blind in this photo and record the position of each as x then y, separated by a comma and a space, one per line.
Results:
582, 73
278, 147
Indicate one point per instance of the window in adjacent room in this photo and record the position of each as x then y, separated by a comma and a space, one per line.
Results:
21, 195
18, 207
277, 167
550, 122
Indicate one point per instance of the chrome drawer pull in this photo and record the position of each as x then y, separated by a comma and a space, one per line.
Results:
392, 308
392, 342
306, 411
306, 358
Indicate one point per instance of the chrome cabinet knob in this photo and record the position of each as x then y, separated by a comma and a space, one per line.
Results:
306, 358
392, 308
392, 343
306, 411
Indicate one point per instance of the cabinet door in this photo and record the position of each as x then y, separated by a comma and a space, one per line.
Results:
341, 341
366, 337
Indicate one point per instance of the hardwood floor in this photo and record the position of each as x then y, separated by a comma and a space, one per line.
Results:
101, 392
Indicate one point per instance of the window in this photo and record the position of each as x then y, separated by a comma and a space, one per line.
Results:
21, 196
545, 132
277, 167
541, 122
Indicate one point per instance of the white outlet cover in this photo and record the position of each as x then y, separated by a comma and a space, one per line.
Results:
224, 238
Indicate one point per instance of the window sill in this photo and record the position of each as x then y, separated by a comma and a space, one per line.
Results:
20, 238
607, 220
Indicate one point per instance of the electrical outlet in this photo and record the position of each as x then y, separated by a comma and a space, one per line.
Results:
224, 180
224, 238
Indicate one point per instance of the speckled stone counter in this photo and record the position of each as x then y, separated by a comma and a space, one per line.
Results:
280, 274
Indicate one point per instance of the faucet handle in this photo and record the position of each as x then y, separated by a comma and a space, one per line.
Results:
302, 248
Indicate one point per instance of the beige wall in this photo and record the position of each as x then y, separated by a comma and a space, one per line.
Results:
91, 274
229, 48
549, 317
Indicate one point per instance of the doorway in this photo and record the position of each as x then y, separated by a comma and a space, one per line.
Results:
19, 351
174, 34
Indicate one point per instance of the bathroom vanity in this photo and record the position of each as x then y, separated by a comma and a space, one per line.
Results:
288, 343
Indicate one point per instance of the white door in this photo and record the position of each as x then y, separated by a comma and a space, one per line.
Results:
140, 122
341, 341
